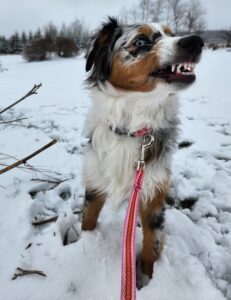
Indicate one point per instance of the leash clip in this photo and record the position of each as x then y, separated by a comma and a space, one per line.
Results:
146, 144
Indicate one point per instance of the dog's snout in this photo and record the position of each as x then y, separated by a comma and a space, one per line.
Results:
192, 43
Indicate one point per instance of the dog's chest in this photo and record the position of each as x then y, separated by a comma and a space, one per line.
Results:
110, 161
114, 160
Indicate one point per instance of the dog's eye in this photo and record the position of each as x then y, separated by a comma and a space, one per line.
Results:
140, 43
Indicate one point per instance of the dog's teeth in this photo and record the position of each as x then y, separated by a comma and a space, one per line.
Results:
173, 68
178, 68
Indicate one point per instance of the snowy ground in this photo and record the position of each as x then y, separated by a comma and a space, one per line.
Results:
196, 262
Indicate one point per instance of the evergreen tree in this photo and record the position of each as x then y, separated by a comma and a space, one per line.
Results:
15, 44
38, 34
23, 38
4, 45
30, 36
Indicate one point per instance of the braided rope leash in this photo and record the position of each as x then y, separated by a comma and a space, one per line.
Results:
128, 269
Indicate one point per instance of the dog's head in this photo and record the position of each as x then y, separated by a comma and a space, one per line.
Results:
141, 56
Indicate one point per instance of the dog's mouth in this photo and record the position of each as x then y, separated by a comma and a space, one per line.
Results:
182, 73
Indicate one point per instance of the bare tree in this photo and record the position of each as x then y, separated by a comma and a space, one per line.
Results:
195, 21
181, 15
63, 31
176, 14
124, 15
145, 9
50, 35
134, 15
157, 11
78, 31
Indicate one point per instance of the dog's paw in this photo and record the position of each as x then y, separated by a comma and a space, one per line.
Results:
141, 278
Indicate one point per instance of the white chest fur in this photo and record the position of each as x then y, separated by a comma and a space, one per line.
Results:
110, 160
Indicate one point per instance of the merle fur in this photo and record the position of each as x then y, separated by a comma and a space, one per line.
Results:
150, 41
165, 140
99, 59
157, 220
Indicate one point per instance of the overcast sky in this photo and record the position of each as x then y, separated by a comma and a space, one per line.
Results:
30, 14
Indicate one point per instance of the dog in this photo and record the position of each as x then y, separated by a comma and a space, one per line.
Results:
134, 75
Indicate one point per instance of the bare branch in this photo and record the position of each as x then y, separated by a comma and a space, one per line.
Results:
50, 181
29, 168
52, 219
33, 91
12, 121
21, 272
24, 160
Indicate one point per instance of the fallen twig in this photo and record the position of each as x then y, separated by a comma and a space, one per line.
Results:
25, 159
12, 121
21, 272
33, 91
50, 181
52, 219
29, 168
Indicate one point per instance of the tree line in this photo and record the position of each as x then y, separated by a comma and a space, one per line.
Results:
183, 16
41, 44
180, 15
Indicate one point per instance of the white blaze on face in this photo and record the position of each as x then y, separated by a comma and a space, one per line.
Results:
167, 49
166, 45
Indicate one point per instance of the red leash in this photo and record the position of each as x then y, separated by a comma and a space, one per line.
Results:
128, 271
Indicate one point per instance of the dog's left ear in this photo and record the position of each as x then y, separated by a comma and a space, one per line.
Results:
99, 58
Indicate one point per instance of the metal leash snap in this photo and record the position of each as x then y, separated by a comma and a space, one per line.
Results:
146, 144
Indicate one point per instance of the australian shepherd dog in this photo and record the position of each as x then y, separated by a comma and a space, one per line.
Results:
135, 72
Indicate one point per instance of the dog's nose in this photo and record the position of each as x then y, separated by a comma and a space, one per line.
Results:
192, 43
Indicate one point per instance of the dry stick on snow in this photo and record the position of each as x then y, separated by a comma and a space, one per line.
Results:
25, 159
50, 181
33, 91
12, 121
21, 272
29, 168
53, 219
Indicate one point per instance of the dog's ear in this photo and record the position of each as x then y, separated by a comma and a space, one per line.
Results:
99, 58
167, 30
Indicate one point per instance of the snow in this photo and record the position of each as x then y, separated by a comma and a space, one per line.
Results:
196, 261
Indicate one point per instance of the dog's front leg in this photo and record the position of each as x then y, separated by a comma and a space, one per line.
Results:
94, 201
152, 219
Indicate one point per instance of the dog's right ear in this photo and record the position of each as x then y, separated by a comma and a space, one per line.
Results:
99, 58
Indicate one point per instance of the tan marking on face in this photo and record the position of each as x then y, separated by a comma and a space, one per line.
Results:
146, 30
135, 76
143, 30
167, 30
